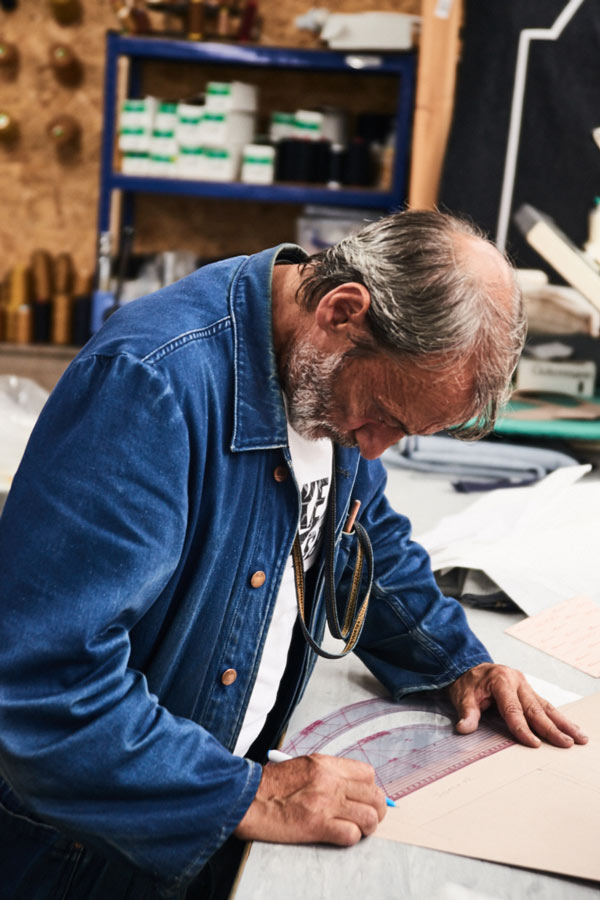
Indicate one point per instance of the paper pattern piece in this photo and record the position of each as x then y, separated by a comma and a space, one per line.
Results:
539, 544
539, 809
410, 743
570, 631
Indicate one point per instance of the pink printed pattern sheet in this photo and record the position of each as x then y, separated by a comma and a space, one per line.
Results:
570, 631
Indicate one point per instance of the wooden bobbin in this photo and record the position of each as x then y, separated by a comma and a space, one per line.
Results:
22, 324
62, 305
62, 300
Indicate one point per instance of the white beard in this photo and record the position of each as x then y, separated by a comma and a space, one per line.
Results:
308, 380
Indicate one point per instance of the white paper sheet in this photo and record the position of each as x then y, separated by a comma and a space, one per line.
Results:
539, 544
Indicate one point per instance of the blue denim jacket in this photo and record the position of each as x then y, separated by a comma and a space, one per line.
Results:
145, 502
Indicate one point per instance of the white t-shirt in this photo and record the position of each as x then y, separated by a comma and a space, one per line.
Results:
311, 461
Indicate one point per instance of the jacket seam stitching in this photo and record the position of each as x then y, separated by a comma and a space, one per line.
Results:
185, 338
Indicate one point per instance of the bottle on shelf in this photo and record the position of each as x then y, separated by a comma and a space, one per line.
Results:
195, 22
133, 18
235, 18
211, 11
62, 297
248, 19
18, 314
82, 297
223, 25
141, 19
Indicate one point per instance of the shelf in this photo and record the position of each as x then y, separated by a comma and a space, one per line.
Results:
44, 363
269, 193
49, 351
398, 64
258, 56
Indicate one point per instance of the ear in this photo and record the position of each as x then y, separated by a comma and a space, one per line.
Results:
343, 308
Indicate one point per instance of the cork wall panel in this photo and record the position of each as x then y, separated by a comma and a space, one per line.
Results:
49, 200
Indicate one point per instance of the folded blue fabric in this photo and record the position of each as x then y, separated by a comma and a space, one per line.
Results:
496, 462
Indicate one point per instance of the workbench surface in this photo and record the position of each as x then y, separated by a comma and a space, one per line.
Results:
378, 869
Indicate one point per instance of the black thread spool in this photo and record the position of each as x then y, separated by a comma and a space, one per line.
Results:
321, 162
294, 160
359, 165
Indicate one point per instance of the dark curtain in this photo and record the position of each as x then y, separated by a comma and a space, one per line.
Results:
558, 166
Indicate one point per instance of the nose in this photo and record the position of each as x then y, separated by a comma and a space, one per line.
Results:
374, 439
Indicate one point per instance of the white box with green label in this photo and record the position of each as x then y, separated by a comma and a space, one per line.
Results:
221, 128
221, 163
258, 164
228, 95
136, 120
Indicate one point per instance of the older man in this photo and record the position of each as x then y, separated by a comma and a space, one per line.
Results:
175, 540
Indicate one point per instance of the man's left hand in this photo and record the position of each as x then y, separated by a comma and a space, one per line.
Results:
527, 715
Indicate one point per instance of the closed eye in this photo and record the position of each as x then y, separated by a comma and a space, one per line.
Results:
394, 424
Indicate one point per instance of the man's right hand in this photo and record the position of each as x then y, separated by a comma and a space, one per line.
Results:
314, 799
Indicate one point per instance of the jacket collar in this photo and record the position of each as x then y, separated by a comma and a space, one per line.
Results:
259, 416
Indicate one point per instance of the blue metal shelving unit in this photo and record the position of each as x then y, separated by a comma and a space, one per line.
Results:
140, 49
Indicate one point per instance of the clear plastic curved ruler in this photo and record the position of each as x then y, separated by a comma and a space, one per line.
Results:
410, 743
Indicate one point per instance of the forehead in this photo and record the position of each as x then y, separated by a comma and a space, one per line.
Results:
422, 398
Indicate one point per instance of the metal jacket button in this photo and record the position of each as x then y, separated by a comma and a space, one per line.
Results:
258, 579
280, 473
228, 676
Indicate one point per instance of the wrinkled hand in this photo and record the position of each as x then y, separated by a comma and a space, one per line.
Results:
524, 711
314, 799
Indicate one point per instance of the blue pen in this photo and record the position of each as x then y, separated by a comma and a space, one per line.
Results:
277, 756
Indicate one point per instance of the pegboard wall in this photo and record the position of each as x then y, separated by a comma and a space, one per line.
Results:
49, 195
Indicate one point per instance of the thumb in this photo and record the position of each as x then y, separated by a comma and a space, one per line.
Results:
469, 714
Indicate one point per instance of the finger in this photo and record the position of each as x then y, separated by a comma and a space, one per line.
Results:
511, 710
469, 721
359, 792
469, 711
363, 815
341, 832
548, 722
565, 724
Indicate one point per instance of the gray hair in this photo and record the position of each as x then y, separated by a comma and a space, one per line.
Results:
428, 304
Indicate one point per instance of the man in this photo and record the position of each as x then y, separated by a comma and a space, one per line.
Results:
149, 620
